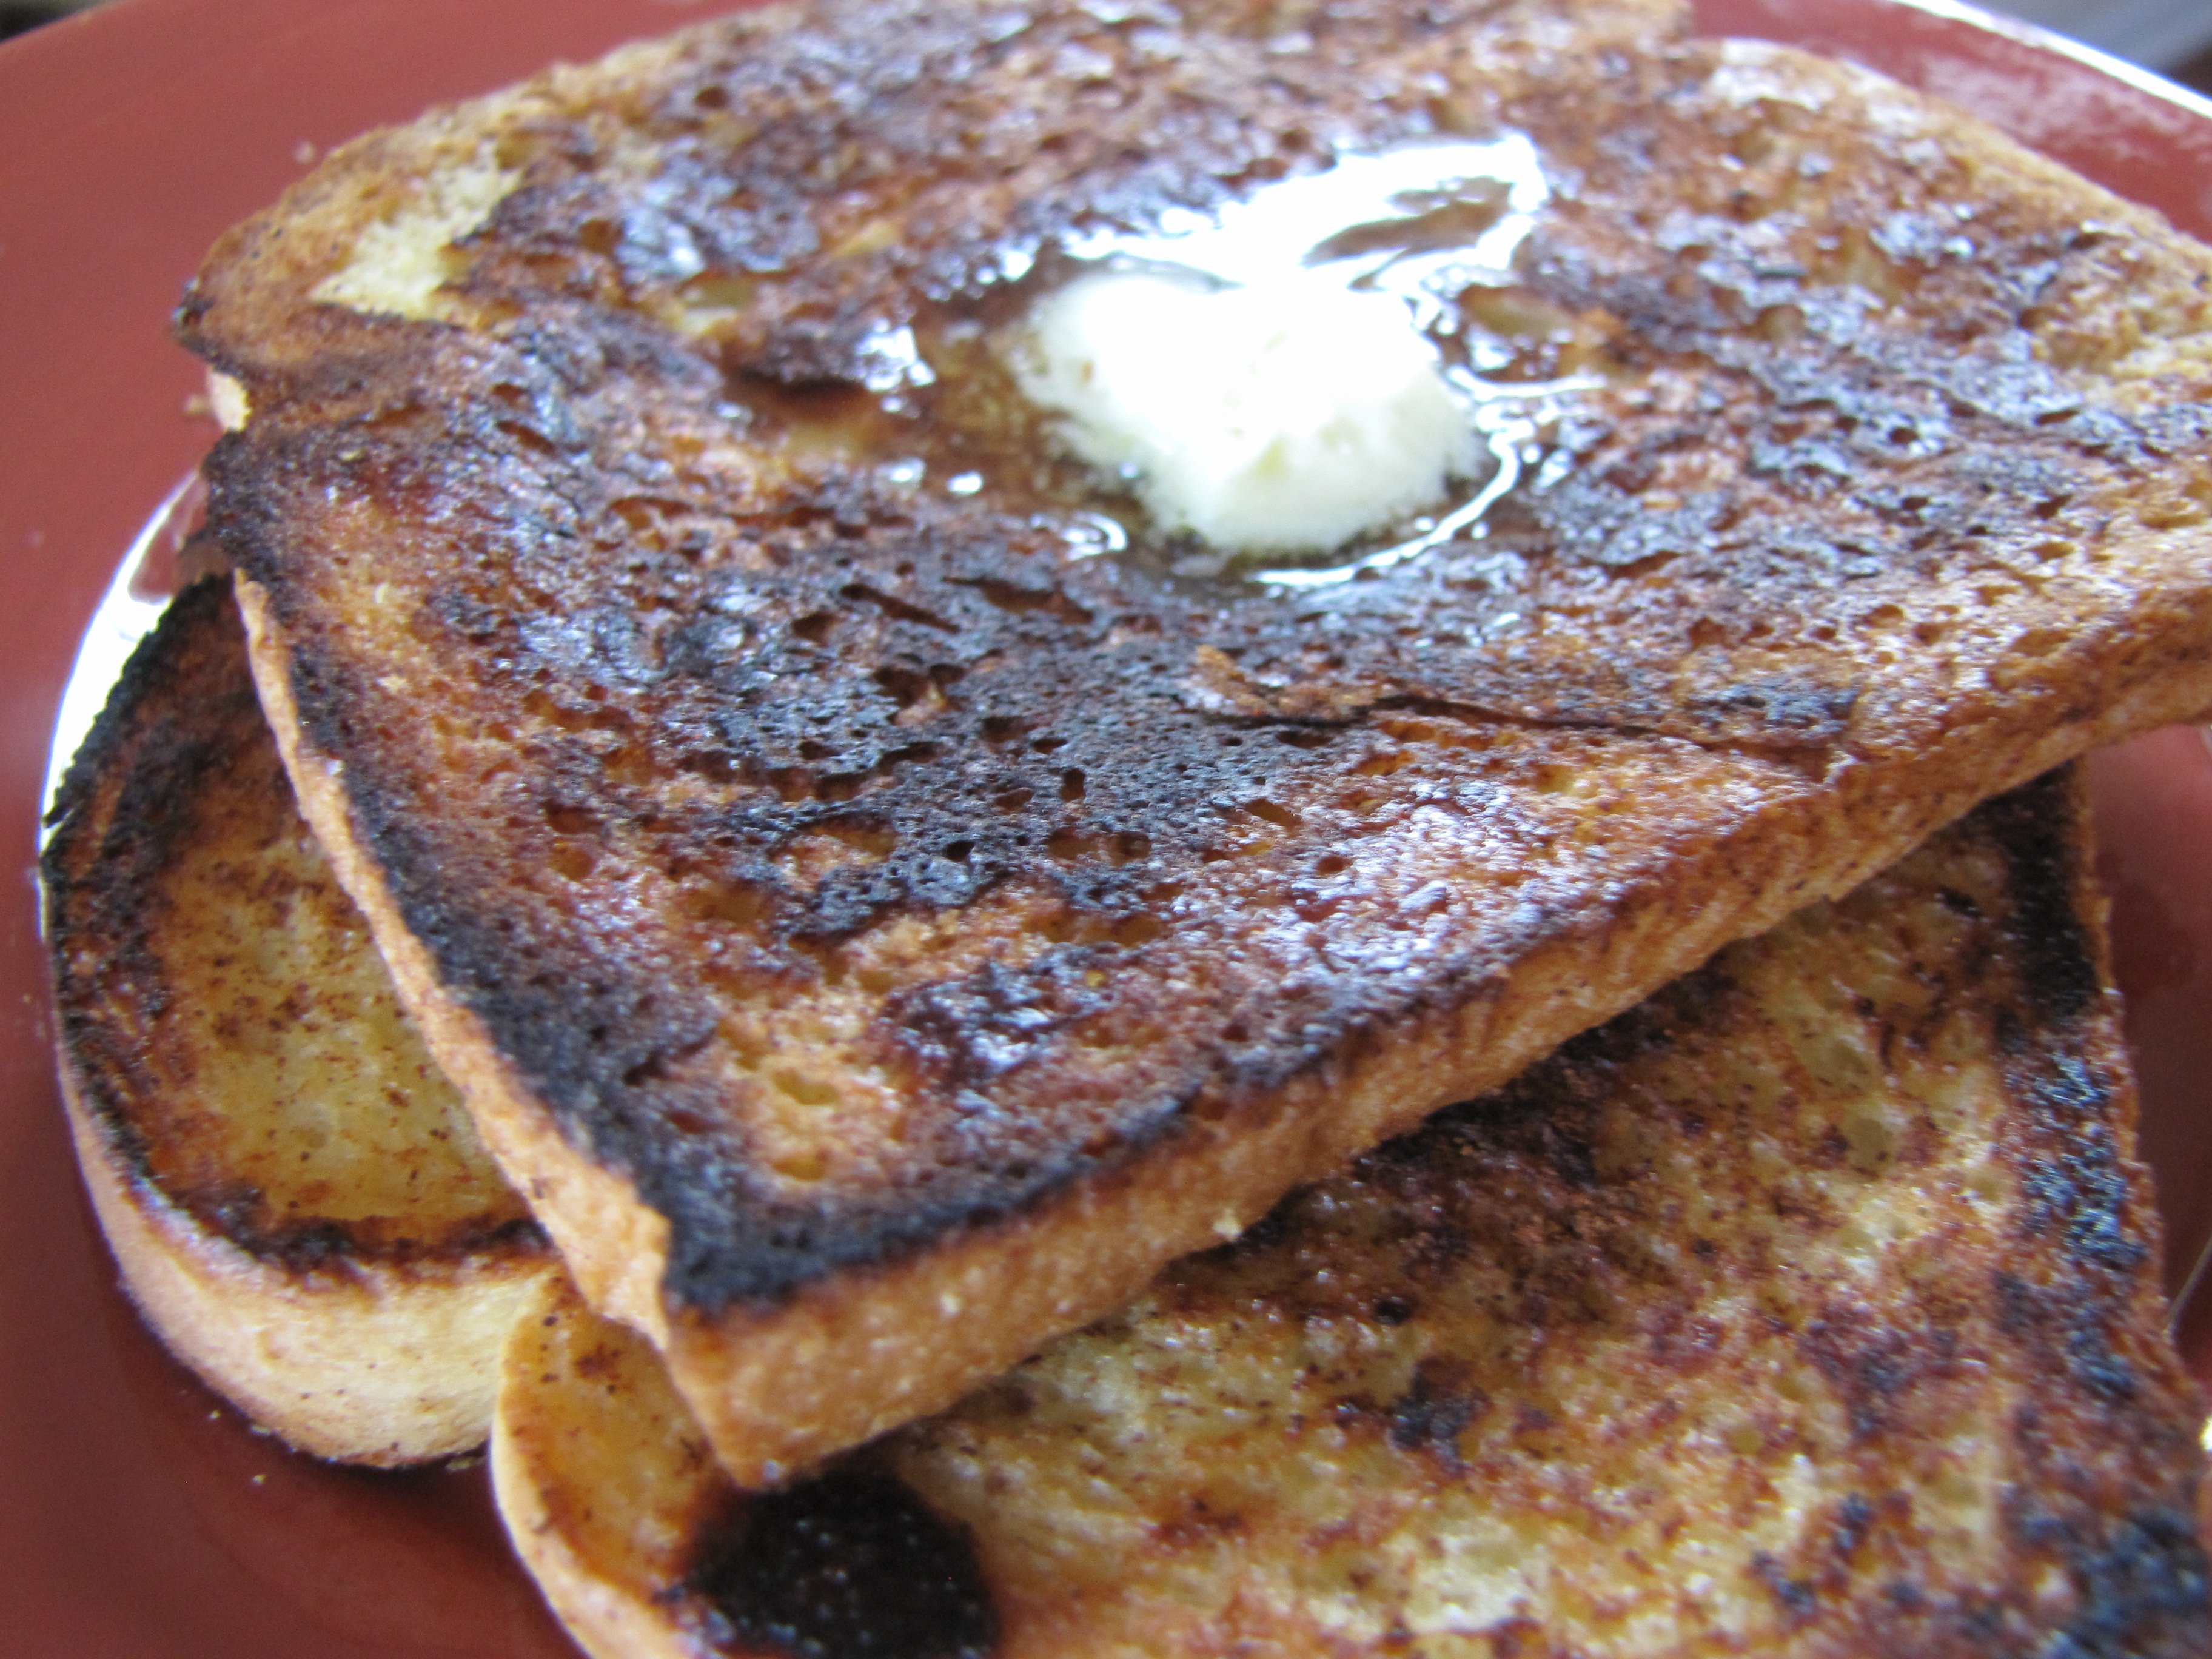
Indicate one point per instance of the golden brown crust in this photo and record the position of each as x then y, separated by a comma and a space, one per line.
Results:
1809, 1309
869, 925
374, 1364
296, 1198
591, 1531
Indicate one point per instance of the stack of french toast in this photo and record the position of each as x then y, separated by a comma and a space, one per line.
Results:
945, 1068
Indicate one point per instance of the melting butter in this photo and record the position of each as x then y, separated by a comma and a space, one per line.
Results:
1287, 415
1270, 377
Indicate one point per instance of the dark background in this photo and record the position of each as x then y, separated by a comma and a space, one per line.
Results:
13, 20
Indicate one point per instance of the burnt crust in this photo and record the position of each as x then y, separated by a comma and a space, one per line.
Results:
178, 761
693, 726
851, 1562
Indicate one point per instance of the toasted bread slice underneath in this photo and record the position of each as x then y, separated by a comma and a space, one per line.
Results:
296, 1198
1810, 1308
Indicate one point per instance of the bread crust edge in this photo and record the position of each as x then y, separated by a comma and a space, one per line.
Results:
603, 1615
579, 1204
368, 1364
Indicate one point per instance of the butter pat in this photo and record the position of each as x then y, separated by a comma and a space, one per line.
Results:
1287, 416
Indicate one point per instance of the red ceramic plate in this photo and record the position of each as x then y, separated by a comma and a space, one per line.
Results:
138, 1520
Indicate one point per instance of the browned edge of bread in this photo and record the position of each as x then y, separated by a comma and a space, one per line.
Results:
600, 1490
350, 1295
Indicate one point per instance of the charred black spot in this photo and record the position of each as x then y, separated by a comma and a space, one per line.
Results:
1872, 1365
1019, 601
1600, 522
2058, 964
1429, 1416
2066, 1326
1854, 1520
1269, 1231
1797, 1596
100, 878
2142, 1586
242, 1215
324, 1246
2097, 1366
2075, 1179
849, 1565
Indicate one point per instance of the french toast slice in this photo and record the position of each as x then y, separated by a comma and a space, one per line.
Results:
1810, 1308
297, 1199
877, 928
